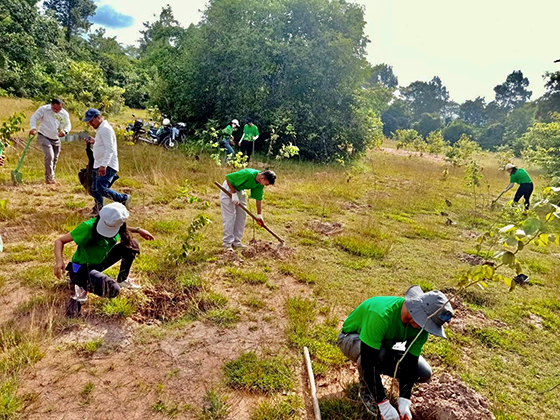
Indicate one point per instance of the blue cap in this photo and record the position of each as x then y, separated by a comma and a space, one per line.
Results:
90, 114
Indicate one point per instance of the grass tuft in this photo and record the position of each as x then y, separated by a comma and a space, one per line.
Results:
282, 408
357, 245
215, 406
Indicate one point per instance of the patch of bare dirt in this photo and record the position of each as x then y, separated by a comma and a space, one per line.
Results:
163, 305
448, 398
116, 335
357, 207
470, 234
464, 317
325, 228
256, 249
471, 259
231, 258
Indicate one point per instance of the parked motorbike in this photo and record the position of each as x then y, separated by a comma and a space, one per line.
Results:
166, 135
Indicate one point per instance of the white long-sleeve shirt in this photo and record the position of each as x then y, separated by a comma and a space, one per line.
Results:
105, 147
51, 122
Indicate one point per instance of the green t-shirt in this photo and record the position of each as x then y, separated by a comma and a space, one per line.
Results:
228, 131
520, 176
378, 322
90, 251
250, 132
245, 180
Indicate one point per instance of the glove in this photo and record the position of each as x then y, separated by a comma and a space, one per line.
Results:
387, 411
260, 220
235, 198
256, 137
404, 408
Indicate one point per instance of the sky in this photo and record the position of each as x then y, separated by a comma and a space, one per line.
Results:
471, 45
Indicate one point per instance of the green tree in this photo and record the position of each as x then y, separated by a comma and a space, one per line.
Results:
396, 117
491, 136
542, 145
426, 97
436, 143
473, 112
382, 74
73, 15
549, 103
453, 132
513, 92
428, 123
410, 140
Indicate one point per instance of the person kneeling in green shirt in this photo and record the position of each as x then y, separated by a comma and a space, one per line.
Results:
521, 177
370, 333
233, 217
98, 249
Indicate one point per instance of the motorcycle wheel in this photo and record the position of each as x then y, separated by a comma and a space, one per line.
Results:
135, 137
169, 143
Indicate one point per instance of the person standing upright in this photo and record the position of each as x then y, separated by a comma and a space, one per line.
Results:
106, 161
54, 123
227, 140
250, 135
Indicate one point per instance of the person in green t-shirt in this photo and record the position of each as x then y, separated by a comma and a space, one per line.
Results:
98, 249
227, 140
521, 177
250, 135
233, 217
369, 336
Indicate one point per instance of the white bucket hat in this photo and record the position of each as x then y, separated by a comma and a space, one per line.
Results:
422, 305
111, 218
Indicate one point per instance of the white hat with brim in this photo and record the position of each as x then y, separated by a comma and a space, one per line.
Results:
509, 166
422, 305
111, 218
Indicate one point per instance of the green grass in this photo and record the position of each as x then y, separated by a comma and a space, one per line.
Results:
215, 406
260, 375
88, 348
359, 246
118, 307
249, 277
86, 393
282, 408
223, 317
10, 403
297, 273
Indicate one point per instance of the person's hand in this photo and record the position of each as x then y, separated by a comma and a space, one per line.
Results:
32, 132
61, 134
145, 234
240, 141
59, 267
90, 140
232, 142
255, 137
235, 198
387, 411
404, 408
101, 171
260, 220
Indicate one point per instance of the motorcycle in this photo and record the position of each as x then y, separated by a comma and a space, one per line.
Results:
166, 135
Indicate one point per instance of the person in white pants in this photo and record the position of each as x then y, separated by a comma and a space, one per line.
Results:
233, 217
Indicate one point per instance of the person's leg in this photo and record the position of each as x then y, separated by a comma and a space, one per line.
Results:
56, 151
518, 195
102, 285
118, 253
49, 157
349, 345
228, 216
240, 219
229, 151
249, 149
103, 187
527, 195
389, 359
96, 191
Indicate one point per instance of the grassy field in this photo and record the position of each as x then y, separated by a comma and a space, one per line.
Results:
209, 338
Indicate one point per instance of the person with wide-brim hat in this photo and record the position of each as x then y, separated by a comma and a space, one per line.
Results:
373, 334
98, 249
521, 177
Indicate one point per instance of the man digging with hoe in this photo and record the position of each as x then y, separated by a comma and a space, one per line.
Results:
370, 333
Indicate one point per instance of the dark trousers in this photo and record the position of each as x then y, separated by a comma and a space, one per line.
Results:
92, 279
247, 148
525, 191
101, 187
350, 345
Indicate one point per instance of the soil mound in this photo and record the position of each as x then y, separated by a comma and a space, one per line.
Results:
448, 398
471, 259
325, 228
163, 305
257, 249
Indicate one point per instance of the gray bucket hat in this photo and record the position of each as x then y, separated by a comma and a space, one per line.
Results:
421, 305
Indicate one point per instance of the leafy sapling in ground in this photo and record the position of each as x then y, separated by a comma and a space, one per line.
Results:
197, 224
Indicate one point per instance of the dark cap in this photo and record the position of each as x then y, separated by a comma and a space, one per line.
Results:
91, 114
422, 305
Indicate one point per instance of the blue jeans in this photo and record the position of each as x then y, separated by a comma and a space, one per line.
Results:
229, 150
101, 187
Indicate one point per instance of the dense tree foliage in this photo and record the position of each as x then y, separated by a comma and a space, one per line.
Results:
382, 74
426, 97
73, 15
513, 92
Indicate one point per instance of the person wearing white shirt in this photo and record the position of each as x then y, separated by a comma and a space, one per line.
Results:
106, 161
54, 124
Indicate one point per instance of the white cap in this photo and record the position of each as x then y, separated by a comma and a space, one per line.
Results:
234, 121
166, 121
111, 218
509, 166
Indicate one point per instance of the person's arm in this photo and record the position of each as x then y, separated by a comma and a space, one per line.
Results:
372, 372
260, 220
59, 265
66, 126
142, 232
234, 196
37, 115
509, 187
257, 135
108, 149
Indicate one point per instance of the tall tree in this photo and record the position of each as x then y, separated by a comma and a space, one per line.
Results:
549, 103
513, 92
164, 32
428, 123
426, 97
72, 14
396, 117
473, 112
382, 74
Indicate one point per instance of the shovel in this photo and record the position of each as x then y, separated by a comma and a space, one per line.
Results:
16, 175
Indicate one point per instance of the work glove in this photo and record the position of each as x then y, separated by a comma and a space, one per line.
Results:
235, 198
260, 220
387, 411
404, 408
255, 137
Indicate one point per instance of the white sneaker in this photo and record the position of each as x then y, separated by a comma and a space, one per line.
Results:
129, 284
239, 246
81, 294
227, 248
